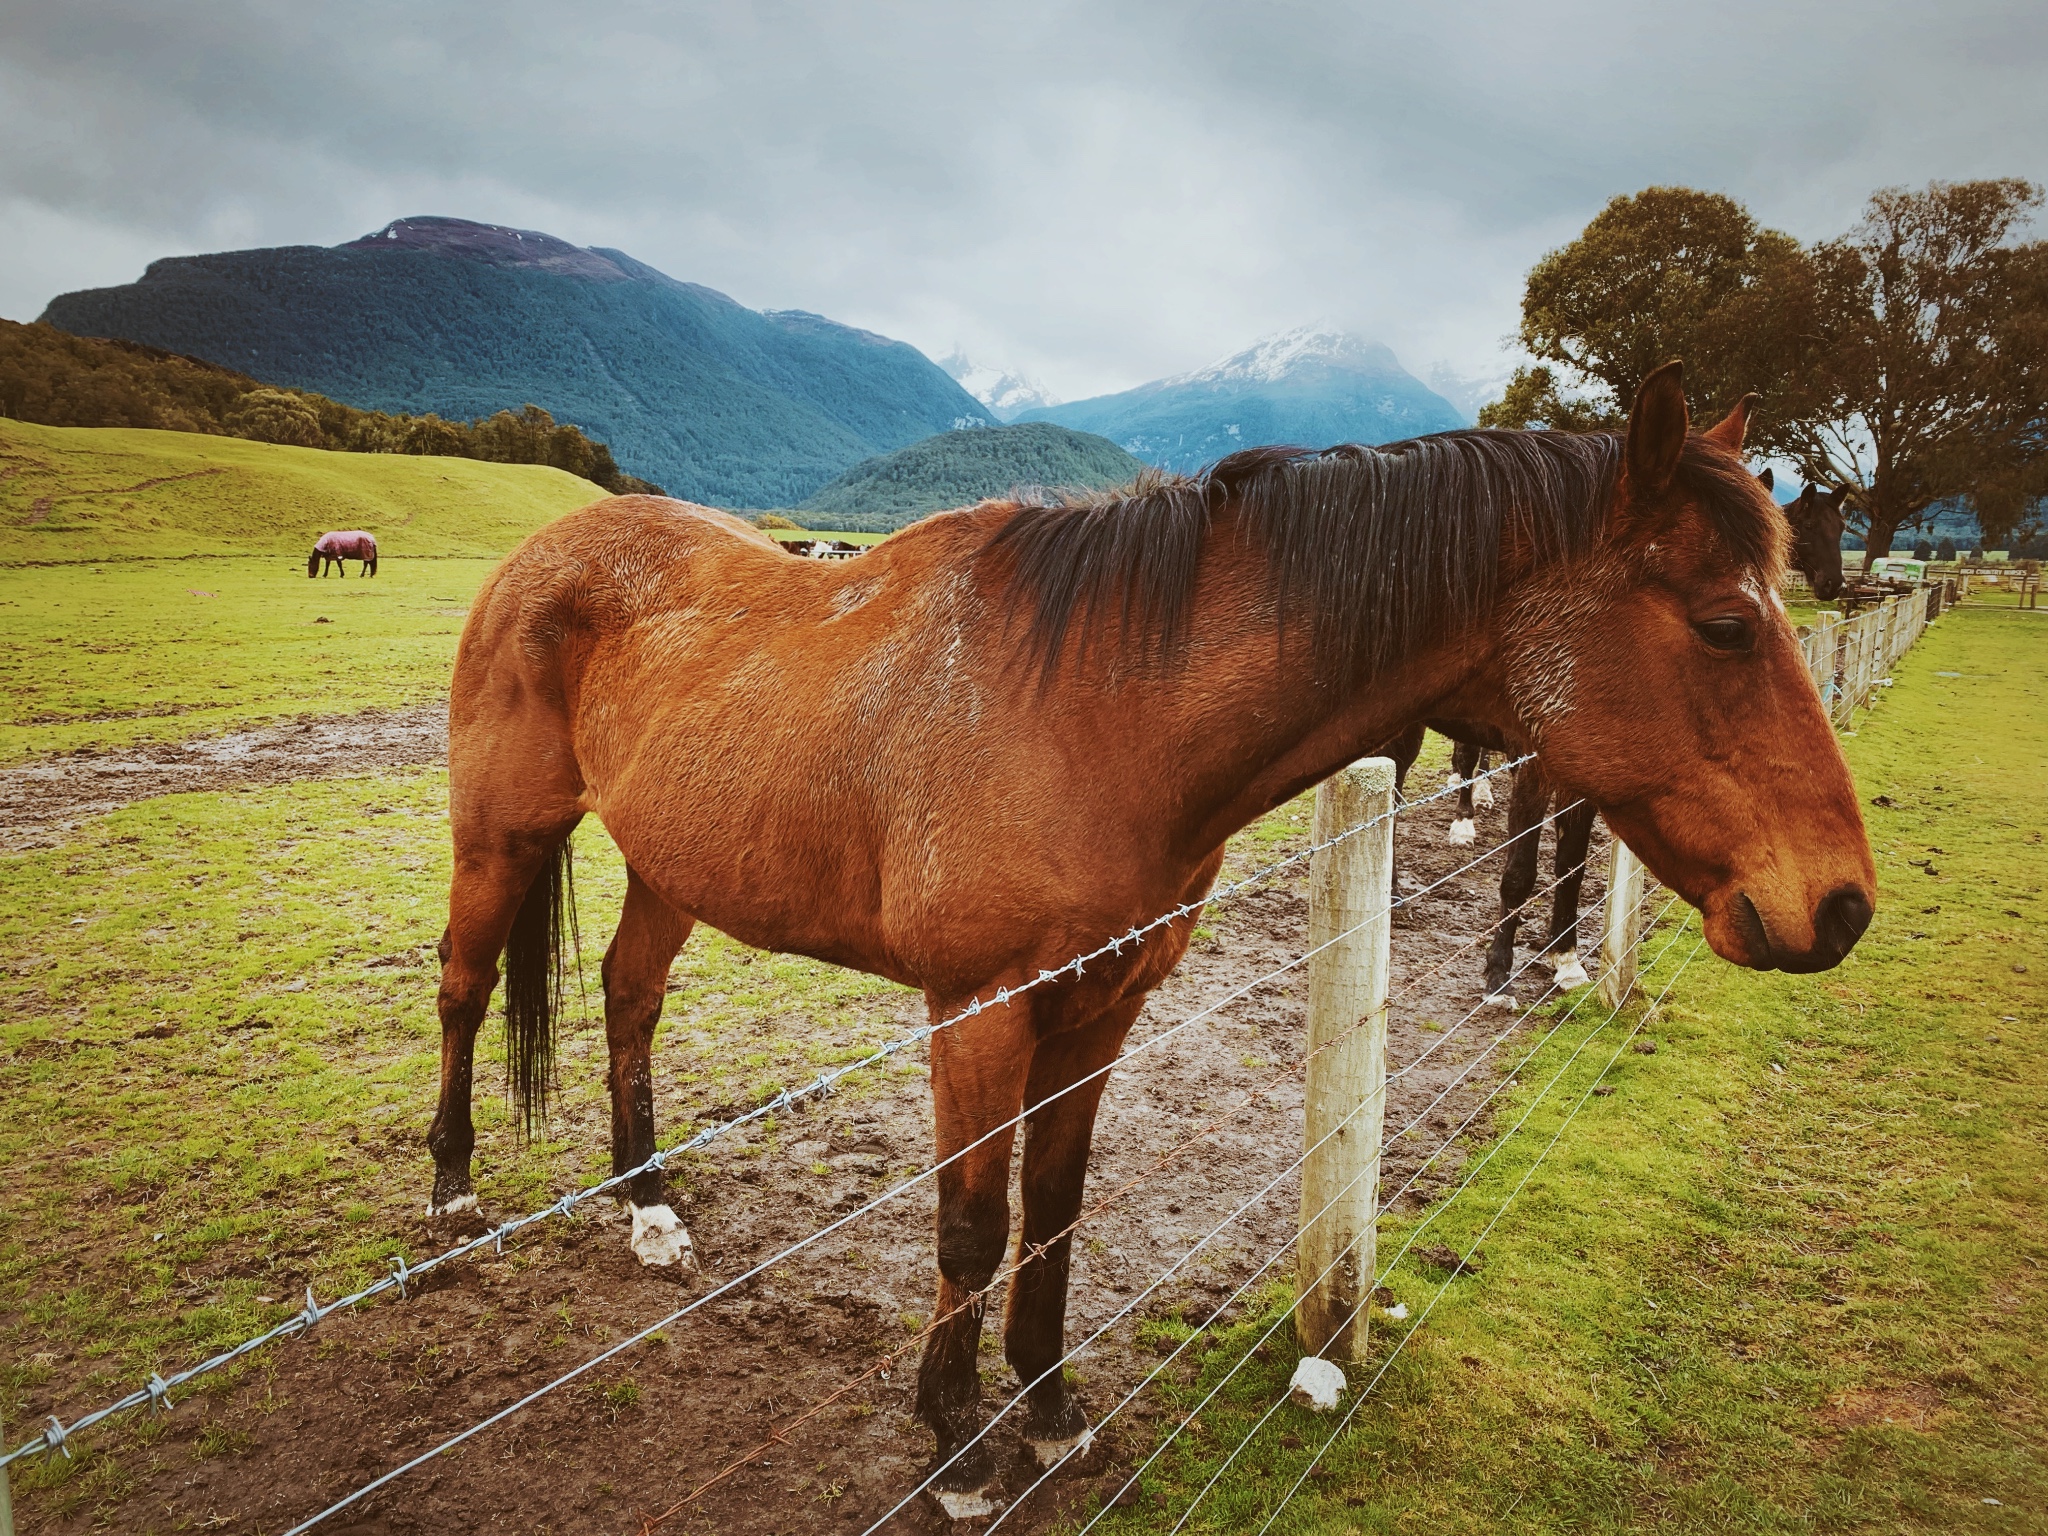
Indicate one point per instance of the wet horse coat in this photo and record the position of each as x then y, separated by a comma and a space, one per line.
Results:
1010, 732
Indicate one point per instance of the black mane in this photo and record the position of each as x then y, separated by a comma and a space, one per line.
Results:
1381, 548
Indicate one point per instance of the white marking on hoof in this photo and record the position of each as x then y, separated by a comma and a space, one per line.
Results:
1452, 781
658, 1237
1498, 1000
1464, 832
1482, 794
970, 1504
1317, 1384
454, 1207
1051, 1453
1567, 972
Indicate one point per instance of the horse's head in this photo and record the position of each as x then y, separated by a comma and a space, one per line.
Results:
1816, 519
1661, 679
313, 562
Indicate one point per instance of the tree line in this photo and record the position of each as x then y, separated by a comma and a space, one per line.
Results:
1906, 359
55, 379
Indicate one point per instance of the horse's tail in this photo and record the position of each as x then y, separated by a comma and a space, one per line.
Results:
536, 966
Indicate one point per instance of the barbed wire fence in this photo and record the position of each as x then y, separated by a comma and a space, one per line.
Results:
156, 1393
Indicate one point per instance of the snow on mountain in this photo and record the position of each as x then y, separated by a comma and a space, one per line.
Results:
1311, 386
1291, 353
1006, 394
1468, 392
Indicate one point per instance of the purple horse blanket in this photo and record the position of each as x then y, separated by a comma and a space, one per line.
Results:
351, 545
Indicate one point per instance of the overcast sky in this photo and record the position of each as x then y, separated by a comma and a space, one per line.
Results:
1097, 194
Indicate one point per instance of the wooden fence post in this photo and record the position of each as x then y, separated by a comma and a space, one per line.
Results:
1618, 931
1350, 912
6, 1498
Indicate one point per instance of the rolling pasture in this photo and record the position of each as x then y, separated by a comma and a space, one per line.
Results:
1787, 1276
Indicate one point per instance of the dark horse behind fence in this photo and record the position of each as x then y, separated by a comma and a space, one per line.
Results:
1012, 731
333, 548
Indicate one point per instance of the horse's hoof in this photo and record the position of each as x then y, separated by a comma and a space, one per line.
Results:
1568, 973
1499, 1000
1464, 832
1050, 1453
454, 1206
1055, 1437
967, 1488
659, 1238
1482, 794
969, 1503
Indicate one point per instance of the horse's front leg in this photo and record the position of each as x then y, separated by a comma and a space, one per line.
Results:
635, 979
1574, 836
978, 1074
1056, 1144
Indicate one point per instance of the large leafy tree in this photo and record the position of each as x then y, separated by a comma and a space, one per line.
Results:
1668, 272
1925, 374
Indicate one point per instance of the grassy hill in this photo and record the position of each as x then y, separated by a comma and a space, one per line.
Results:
97, 493
718, 402
957, 469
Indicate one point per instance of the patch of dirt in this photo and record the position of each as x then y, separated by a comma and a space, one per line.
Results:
365, 1393
41, 801
1915, 1406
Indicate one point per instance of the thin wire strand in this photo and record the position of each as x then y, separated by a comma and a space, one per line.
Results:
1493, 1221
1072, 1353
1534, 1102
156, 1392
779, 1436
805, 1242
1507, 1079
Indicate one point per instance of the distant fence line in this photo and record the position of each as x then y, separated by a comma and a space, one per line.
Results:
1850, 659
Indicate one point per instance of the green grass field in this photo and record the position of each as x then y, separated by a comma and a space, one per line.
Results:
108, 493
1792, 1276
102, 655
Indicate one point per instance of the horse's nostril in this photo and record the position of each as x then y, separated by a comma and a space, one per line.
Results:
1841, 917
1755, 937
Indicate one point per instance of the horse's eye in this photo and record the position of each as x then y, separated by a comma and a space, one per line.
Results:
1725, 634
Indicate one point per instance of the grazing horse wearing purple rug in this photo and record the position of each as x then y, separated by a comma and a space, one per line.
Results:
333, 548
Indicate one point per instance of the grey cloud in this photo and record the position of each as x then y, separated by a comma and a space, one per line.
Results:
1094, 193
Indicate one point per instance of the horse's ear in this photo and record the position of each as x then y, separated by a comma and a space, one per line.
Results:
1729, 429
1656, 432
1840, 494
1767, 480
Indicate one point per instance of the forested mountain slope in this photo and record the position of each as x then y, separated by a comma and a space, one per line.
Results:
717, 402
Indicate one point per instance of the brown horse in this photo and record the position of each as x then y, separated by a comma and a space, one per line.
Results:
333, 548
1815, 520
1014, 730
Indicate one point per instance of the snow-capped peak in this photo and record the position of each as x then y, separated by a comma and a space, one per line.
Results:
1278, 356
1007, 395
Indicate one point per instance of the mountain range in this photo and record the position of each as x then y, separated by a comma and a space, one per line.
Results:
1007, 395
718, 402
1310, 386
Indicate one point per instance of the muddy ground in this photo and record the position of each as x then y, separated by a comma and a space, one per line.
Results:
324, 1415
42, 800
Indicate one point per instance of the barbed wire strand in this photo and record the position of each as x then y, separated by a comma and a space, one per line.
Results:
780, 1436
1380, 1279
1279, 1253
1507, 1079
1072, 1353
807, 1241
1522, 1183
156, 1393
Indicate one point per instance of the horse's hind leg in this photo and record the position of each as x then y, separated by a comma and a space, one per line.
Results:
1517, 877
1056, 1141
1574, 834
484, 898
1465, 761
1482, 788
635, 979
